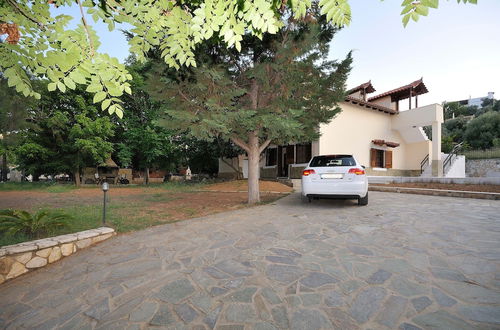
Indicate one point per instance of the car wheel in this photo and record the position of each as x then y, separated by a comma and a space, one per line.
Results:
305, 199
363, 201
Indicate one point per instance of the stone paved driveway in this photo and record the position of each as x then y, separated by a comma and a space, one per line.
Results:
404, 261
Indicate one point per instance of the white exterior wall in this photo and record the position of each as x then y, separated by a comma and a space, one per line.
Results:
457, 169
385, 102
352, 132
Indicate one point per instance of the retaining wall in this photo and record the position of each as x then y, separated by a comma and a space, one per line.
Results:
483, 167
402, 179
21, 258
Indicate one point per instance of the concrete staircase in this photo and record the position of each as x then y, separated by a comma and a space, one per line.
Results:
455, 169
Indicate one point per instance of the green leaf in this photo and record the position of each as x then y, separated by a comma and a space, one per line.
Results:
52, 87
406, 19
99, 96
119, 113
422, 10
406, 9
61, 86
78, 77
93, 88
69, 83
105, 104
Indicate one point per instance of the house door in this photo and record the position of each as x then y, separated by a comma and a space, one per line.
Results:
281, 150
286, 156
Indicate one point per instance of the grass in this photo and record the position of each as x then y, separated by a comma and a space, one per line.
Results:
125, 213
54, 187
40, 186
121, 216
482, 154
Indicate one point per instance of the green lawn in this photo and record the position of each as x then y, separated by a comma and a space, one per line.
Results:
131, 208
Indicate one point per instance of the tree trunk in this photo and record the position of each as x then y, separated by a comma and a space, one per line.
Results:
253, 168
4, 167
77, 177
146, 176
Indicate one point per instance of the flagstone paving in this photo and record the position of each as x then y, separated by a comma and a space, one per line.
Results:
403, 261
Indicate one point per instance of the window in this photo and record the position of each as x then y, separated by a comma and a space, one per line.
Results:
333, 160
271, 156
303, 153
380, 158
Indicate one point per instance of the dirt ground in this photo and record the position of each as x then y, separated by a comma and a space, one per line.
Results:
242, 185
461, 187
157, 203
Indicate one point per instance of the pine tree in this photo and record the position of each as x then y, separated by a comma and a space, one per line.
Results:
277, 89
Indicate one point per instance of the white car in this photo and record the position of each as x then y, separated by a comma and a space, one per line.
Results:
335, 176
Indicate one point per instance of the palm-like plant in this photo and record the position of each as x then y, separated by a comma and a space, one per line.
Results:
34, 225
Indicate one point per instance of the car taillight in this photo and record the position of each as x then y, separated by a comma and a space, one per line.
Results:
357, 171
307, 172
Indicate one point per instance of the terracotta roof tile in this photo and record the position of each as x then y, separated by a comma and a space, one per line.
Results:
366, 86
370, 105
402, 92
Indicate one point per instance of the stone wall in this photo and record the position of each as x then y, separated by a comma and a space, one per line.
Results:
269, 172
485, 168
391, 172
295, 171
18, 259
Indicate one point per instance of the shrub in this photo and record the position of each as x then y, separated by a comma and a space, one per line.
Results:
36, 225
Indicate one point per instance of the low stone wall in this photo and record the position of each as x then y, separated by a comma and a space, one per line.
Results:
269, 172
399, 179
295, 171
486, 168
21, 258
391, 172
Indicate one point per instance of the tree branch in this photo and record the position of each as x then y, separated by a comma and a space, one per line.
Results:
240, 143
264, 145
21, 11
84, 21
238, 172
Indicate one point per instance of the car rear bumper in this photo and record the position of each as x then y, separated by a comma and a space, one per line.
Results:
332, 189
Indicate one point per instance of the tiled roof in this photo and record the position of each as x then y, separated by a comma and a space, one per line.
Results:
370, 105
387, 143
402, 92
366, 86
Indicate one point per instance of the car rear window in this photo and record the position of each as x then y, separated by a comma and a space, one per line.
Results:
333, 160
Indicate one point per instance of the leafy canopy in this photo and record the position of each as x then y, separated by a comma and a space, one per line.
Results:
68, 133
39, 43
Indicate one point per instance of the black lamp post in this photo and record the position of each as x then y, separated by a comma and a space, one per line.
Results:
105, 188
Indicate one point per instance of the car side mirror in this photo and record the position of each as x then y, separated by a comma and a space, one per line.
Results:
363, 166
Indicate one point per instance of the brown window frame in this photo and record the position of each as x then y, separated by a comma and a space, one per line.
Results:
303, 153
269, 160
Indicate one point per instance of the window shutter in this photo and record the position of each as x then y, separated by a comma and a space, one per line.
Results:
388, 159
373, 158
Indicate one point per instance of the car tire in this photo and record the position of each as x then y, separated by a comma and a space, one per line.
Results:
363, 200
305, 199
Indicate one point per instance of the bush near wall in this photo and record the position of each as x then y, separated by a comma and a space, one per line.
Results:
482, 154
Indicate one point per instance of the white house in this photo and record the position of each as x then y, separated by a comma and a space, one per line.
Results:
384, 139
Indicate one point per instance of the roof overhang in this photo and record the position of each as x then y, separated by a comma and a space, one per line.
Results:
369, 105
367, 87
413, 89
385, 143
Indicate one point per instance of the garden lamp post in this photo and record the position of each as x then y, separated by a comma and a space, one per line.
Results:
105, 188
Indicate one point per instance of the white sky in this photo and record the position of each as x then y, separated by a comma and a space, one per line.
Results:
456, 49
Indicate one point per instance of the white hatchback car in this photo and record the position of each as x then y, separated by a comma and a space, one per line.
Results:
335, 176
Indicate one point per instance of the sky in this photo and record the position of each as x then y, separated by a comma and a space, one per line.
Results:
456, 49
